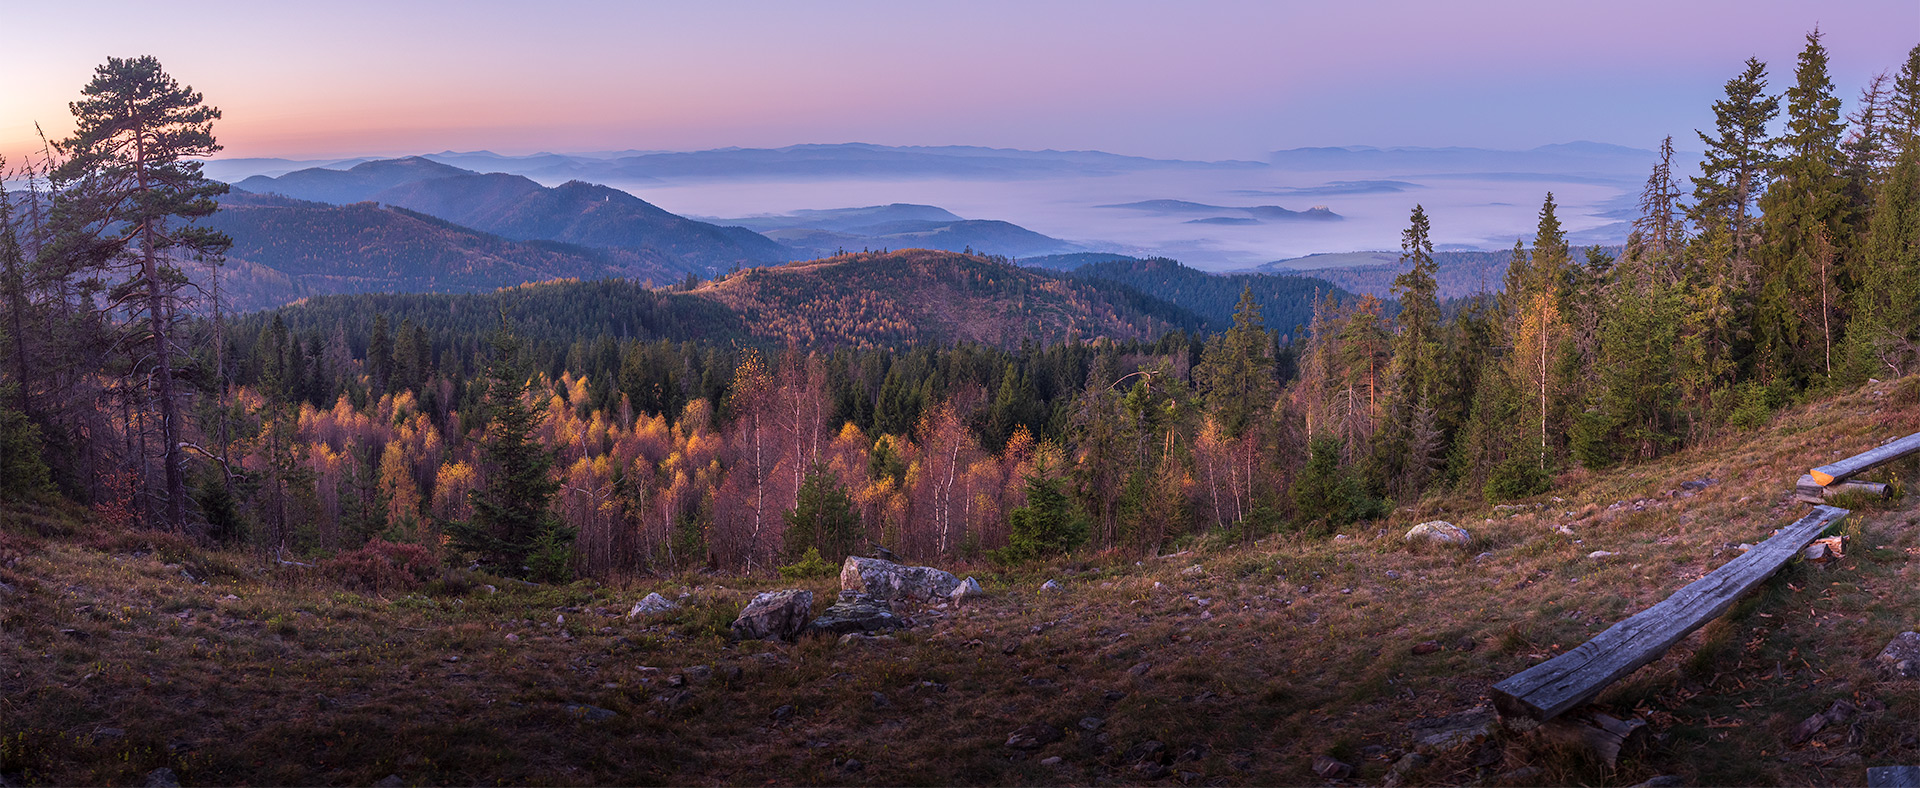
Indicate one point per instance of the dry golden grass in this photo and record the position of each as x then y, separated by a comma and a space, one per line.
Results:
130, 651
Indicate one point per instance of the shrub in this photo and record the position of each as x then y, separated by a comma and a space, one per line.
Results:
1514, 479
810, 566
551, 560
381, 567
1329, 493
1754, 408
1906, 391
1048, 525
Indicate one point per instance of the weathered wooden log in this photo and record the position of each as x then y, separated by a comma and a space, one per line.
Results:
1828, 474
1893, 777
1874, 489
1599, 735
1806, 490
1549, 688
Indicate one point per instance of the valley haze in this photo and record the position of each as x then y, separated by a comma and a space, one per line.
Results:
1217, 216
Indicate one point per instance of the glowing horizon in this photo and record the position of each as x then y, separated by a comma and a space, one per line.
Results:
1214, 81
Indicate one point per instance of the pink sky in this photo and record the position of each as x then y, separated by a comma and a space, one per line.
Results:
1186, 80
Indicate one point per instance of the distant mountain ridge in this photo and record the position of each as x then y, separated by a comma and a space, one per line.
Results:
1256, 213
516, 207
286, 249
824, 233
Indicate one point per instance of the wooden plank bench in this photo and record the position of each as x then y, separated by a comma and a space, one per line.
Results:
1551, 687
1826, 475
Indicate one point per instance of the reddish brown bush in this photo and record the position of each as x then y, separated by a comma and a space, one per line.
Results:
381, 567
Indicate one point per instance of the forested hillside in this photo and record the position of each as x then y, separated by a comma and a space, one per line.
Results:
1287, 302
586, 214
924, 296
284, 249
948, 406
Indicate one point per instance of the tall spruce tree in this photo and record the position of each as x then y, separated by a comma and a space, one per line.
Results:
1235, 373
513, 525
125, 199
1738, 158
1804, 231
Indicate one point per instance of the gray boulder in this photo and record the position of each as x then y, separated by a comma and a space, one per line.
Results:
890, 581
968, 589
653, 603
1901, 657
856, 612
1439, 532
774, 615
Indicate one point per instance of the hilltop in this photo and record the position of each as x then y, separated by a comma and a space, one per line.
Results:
920, 295
518, 208
1232, 659
285, 249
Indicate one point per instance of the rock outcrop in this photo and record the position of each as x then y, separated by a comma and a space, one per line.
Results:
887, 580
1439, 532
774, 615
653, 603
856, 612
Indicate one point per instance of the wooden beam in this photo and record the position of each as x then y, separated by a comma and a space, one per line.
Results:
1549, 688
1873, 489
1828, 474
1893, 777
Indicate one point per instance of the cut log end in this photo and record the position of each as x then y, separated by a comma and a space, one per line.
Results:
1820, 478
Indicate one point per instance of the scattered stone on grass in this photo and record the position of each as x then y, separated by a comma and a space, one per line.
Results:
1034, 735
1426, 647
1050, 585
390, 781
162, 777
856, 612
594, 713
1438, 532
651, 604
774, 615
1901, 657
968, 589
888, 580
1330, 768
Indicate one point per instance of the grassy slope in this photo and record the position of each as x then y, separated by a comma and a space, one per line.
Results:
1271, 653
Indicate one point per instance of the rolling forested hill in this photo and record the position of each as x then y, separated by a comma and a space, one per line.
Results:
587, 214
518, 208
1285, 301
919, 295
285, 249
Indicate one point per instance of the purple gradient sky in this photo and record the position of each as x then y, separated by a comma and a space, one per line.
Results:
1174, 80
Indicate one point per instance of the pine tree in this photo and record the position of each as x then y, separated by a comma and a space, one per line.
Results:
1235, 373
1903, 107
1805, 223
380, 354
822, 519
513, 525
1049, 524
1738, 157
1416, 343
126, 197
1661, 231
